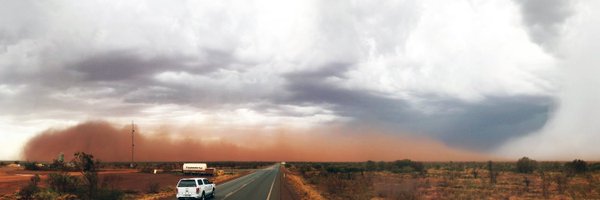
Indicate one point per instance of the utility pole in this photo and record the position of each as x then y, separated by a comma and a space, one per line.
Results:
132, 144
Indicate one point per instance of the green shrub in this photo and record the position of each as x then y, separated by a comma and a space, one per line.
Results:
62, 182
594, 167
407, 166
46, 195
28, 192
31, 166
577, 166
526, 165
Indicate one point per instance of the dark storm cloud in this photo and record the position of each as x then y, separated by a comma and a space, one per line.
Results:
543, 19
482, 126
490, 123
128, 64
119, 66
125, 76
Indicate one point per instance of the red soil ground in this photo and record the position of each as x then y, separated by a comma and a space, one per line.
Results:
11, 179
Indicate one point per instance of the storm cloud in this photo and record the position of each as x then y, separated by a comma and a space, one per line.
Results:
478, 126
545, 20
467, 74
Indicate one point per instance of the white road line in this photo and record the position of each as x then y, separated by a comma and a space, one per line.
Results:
270, 190
229, 194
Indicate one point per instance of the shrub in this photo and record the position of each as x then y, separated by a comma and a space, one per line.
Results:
46, 195
594, 167
28, 192
526, 165
577, 166
31, 166
62, 182
371, 165
407, 166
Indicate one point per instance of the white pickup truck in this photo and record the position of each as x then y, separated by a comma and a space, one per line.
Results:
195, 188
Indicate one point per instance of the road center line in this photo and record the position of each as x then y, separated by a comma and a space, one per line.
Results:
273, 183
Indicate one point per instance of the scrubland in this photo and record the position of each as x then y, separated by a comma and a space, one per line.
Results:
405, 179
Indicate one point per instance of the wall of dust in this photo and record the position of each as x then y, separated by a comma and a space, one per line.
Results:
109, 143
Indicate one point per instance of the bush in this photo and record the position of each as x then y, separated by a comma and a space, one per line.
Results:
526, 165
62, 182
28, 192
406, 165
46, 195
577, 166
371, 165
33, 166
594, 167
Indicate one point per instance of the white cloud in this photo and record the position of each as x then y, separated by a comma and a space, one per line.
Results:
573, 130
461, 50
231, 61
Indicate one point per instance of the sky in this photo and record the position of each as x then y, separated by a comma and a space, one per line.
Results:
500, 78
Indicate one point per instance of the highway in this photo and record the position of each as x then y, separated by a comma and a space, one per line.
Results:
264, 184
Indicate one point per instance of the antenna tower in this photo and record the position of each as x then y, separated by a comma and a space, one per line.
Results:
132, 144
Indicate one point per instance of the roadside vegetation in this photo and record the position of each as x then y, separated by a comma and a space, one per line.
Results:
406, 179
63, 185
85, 177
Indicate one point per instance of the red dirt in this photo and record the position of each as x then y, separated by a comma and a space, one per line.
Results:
12, 179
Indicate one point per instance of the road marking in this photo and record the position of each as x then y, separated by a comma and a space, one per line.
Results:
270, 190
229, 194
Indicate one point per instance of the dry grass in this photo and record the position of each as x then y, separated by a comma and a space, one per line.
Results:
450, 184
168, 192
302, 190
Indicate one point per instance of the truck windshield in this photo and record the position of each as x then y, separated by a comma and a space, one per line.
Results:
187, 183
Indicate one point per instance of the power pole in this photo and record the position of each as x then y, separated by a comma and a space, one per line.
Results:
132, 144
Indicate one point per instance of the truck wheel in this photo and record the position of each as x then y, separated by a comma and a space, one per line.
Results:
202, 197
212, 194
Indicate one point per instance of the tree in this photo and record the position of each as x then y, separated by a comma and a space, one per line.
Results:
371, 166
526, 165
577, 166
88, 167
59, 162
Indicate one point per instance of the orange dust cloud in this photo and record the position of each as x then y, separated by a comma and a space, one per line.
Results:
108, 143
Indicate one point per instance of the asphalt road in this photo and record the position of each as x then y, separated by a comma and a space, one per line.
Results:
264, 184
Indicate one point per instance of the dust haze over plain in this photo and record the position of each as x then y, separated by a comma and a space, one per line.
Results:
504, 78
108, 143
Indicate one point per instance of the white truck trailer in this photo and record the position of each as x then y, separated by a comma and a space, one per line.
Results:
197, 168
